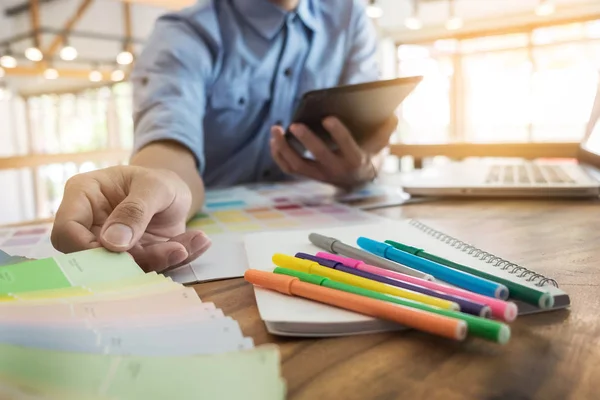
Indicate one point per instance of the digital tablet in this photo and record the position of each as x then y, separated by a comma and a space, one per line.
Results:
361, 107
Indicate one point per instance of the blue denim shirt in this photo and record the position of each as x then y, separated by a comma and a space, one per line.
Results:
216, 77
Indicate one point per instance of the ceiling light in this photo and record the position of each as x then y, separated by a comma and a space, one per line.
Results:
8, 61
545, 8
454, 23
50, 73
124, 58
95, 76
34, 54
413, 23
117, 75
373, 10
68, 53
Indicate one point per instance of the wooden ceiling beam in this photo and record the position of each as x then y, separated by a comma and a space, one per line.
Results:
62, 72
58, 39
168, 4
128, 26
34, 14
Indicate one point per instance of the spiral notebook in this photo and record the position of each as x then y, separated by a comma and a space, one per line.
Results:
293, 316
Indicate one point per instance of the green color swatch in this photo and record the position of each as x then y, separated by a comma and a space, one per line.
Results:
66, 270
251, 374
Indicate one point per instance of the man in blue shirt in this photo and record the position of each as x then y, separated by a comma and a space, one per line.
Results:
213, 90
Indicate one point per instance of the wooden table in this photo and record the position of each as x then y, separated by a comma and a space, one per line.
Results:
553, 355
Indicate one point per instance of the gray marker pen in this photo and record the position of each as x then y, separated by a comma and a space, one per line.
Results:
335, 246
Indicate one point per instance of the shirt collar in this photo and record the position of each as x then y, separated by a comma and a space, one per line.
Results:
268, 19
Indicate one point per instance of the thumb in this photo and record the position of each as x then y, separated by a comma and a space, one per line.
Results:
126, 224
128, 221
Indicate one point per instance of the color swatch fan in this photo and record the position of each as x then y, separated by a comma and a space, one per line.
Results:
115, 330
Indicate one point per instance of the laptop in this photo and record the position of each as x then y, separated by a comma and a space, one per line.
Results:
513, 177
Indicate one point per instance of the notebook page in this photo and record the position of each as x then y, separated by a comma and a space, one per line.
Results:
408, 233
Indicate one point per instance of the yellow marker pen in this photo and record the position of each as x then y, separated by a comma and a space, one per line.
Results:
311, 267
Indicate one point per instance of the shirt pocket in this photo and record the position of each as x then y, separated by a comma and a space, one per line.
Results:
236, 105
233, 96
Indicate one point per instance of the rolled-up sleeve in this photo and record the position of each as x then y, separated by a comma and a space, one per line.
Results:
169, 88
361, 63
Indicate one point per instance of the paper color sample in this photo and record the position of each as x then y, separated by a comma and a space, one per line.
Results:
98, 327
251, 374
209, 336
4, 257
66, 270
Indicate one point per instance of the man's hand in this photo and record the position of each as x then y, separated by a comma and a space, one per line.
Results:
351, 165
129, 208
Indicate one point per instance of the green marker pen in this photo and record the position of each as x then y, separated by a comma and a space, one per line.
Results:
516, 291
480, 327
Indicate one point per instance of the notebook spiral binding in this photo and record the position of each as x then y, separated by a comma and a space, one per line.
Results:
524, 273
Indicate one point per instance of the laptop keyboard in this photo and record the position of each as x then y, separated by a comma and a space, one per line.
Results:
527, 174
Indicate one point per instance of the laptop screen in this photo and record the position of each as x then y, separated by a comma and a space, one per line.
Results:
592, 142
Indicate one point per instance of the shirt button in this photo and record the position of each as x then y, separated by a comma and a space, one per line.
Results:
241, 101
287, 72
266, 173
279, 122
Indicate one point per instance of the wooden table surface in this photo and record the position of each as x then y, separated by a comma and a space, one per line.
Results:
554, 355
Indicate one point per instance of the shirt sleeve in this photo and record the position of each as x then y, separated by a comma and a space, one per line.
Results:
169, 88
361, 63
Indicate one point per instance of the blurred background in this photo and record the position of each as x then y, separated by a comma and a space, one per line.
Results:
496, 71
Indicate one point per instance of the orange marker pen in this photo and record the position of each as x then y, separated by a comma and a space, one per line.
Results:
421, 320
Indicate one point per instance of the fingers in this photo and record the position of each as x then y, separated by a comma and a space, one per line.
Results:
71, 236
71, 230
196, 243
285, 167
162, 256
315, 145
287, 157
349, 149
129, 219
158, 256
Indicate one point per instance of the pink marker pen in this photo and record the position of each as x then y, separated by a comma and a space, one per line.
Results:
504, 310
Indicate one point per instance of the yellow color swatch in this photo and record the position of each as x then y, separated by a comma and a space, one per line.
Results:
282, 223
244, 227
233, 216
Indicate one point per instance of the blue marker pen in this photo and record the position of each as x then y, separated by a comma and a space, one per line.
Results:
452, 276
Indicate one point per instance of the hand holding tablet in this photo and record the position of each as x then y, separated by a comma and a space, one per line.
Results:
336, 131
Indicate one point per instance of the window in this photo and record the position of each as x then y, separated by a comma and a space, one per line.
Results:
92, 120
530, 86
496, 89
425, 115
